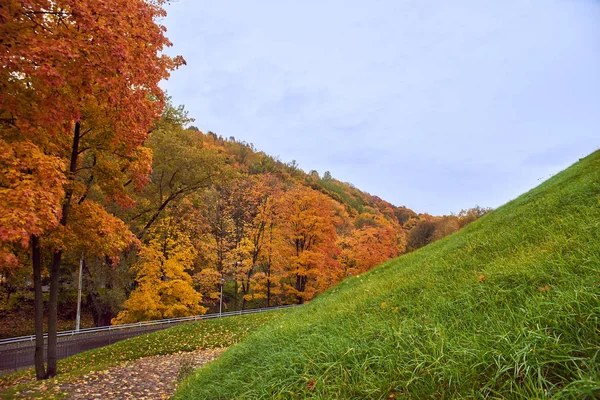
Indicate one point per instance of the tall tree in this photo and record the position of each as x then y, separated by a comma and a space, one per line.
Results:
307, 249
165, 286
253, 210
181, 166
77, 76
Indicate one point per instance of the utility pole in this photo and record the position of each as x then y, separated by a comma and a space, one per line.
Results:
78, 320
221, 302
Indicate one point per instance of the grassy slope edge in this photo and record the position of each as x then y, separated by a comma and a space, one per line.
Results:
507, 307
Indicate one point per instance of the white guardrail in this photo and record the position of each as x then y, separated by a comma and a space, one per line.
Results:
110, 328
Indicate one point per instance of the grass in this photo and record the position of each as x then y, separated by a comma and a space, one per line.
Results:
208, 334
509, 307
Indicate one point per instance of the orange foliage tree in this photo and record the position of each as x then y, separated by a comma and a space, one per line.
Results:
372, 242
78, 92
307, 246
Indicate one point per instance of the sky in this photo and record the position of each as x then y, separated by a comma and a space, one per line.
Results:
433, 104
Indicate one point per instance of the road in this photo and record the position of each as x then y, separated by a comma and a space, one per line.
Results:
21, 355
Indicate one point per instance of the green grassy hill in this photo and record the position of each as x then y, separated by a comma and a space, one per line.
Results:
509, 307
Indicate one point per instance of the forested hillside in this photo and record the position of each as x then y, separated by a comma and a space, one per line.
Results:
212, 211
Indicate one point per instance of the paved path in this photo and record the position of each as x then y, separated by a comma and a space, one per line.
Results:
153, 377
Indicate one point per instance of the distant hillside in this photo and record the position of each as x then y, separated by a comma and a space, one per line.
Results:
248, 160
251, 161
509, 307
270, 232
216, 213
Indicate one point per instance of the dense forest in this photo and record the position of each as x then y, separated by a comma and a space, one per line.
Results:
215, 211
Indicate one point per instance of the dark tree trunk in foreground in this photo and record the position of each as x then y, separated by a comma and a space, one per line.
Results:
55, 269
40, 369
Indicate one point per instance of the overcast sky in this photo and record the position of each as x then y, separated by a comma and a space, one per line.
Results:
434, 104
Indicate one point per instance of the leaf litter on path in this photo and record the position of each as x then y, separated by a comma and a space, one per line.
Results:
154, 377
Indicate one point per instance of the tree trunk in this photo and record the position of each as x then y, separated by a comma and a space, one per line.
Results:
102, 316
301, 287
55, 269
246, 287
235, 295
40, 369
104, 319
268, 293
244, 293
269, 264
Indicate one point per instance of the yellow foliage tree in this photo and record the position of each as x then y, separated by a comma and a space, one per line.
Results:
165, 288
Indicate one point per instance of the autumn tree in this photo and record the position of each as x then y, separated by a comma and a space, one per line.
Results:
220, 225
229, 208
404, 214
78, 77
181, 165
445, 226
252, 250
307, 243
421, 233
164, 284
465, 217
372, 242
106, 287
184, 167
266, 277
